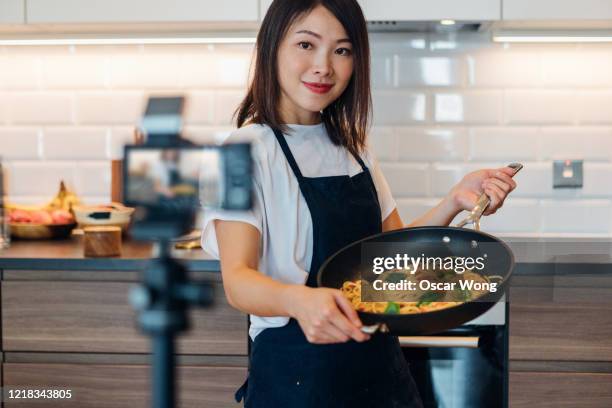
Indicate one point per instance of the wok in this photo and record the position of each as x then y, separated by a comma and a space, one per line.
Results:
346, 264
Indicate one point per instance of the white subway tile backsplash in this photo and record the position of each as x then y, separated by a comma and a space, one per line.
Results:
383, 70
595, 107
407, 180
540, 107
398, 107
28, 200
199, 108
576, 216
153, 71
516, 215
20, 72
38, 178
109, 108
577, 142
597, 180
478, 107
74, 71
225, 104
214, 70
429, 71
504, 68
504, 143
534, 180
93, 179
69, 143
443, 106
432, 144
40, 108
19, 143
445, 176
580, 68
119, 136
4, 104
383, 142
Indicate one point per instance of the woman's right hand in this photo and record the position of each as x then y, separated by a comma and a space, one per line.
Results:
325, 315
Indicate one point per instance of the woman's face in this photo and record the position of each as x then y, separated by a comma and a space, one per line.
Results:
315, 64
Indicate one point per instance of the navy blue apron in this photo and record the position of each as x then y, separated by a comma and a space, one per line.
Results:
287, 371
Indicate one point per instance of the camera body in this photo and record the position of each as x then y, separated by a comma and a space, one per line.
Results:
168, 178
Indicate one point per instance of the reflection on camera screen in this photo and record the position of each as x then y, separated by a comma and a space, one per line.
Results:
156, 177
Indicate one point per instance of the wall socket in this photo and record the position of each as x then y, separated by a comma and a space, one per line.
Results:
567, 174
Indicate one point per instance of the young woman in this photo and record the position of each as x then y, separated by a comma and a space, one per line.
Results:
317, 188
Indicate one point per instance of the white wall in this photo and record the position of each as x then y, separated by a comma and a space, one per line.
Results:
442, 106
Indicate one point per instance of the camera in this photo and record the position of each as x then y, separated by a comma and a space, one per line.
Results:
168, 178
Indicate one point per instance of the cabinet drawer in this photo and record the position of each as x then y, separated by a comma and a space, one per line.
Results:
560, 390
118, 386
96, 317
561, 324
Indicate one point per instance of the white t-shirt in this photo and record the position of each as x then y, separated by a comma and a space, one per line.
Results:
280, 212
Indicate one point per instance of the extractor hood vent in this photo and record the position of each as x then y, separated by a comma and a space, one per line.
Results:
424, 27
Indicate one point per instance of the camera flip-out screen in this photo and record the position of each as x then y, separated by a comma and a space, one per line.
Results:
175, 179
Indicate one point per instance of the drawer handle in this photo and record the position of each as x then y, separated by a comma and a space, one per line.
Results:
438, 341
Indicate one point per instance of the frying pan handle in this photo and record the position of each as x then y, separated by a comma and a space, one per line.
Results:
439, 341
374, 328
481, 205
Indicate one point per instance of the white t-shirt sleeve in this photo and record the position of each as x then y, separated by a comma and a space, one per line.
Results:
385, 198
254, 216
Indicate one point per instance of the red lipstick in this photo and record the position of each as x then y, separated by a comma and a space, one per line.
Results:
317, 87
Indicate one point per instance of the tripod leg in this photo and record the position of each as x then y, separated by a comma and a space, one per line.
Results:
163, 371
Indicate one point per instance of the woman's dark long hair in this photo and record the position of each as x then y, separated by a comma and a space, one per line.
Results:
346, 119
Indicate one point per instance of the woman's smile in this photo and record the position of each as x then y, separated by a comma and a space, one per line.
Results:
318, 88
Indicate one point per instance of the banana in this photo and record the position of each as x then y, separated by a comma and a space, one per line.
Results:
63, 200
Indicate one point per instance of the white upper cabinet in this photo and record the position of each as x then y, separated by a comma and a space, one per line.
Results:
415, 10
124, 11
12, 11
557, 9
263, 7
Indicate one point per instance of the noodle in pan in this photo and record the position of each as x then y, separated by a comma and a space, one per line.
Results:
420, 301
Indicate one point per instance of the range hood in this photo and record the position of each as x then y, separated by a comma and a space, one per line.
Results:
389, 26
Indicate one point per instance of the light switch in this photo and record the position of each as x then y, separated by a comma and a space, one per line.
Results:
567, 174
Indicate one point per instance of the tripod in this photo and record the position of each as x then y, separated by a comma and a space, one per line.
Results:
163, 299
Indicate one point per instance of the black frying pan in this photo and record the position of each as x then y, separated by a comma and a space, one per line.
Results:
446, 241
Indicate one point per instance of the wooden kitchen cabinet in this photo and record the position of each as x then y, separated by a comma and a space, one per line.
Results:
560, 390
122, 386
12, 11
564, 319
95, 317
557, 10
140, 11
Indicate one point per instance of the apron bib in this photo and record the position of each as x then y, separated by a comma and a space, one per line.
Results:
287, 371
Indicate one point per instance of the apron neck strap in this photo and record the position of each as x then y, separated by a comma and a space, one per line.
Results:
288, 155
361, 163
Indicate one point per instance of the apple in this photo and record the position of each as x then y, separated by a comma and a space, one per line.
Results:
61, 217
20, 216
41, 217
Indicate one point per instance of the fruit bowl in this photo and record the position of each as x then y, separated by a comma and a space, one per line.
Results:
24, 230
52, 220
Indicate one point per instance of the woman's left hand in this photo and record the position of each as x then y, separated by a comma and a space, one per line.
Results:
496, 183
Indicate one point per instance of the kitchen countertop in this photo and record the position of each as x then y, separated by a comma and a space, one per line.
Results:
533, 255
68, 255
